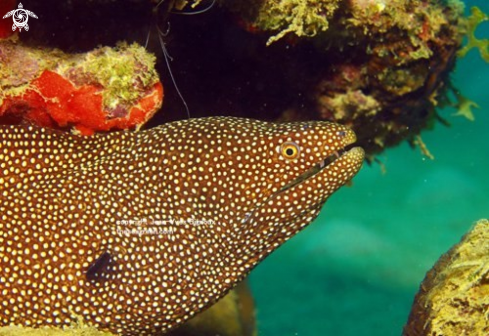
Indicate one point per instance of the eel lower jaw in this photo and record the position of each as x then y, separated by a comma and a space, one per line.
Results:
318, 167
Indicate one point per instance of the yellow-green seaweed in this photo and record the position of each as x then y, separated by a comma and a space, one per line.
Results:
464, 107
472, 23
125, 72
303, 18
119, 70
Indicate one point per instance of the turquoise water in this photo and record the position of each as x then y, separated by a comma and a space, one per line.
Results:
356, 269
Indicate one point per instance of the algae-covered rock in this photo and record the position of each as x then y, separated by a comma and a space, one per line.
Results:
453, 299
106, 88
381, 67
299, 17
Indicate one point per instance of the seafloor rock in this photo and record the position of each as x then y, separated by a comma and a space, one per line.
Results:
233, 315
300, 17
107, 88
453, 299
381, 67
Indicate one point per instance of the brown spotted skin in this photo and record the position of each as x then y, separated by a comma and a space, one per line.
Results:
64, 200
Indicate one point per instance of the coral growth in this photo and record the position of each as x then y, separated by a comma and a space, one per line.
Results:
380, 66
107, 88
454, 297
301, 18
386, 68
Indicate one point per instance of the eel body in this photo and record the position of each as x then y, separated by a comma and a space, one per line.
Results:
138, 232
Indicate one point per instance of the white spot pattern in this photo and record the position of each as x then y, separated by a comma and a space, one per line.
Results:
62, 197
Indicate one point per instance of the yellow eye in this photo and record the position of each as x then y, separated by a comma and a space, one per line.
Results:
289, 150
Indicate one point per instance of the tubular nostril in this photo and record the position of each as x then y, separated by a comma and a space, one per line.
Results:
341, 133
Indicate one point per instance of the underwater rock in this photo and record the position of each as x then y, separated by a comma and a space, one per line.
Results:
107, 88
385, 65
380, 67
454, 297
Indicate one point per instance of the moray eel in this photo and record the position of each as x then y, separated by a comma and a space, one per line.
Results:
136, 232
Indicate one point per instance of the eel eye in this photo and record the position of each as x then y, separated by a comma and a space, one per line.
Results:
289, 150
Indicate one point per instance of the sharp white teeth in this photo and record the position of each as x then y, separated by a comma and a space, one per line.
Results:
336, 154
322, 164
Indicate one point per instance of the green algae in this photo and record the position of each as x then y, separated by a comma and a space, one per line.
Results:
302, 18
20, 65
465, 107
472, 22
124, 73
118, 70
418, 26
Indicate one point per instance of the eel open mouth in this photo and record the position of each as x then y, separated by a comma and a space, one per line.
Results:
318, 167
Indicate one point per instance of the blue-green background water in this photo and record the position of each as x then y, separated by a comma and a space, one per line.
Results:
356, 269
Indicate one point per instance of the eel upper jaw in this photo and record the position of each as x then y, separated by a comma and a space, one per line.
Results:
317, 167
310, 173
